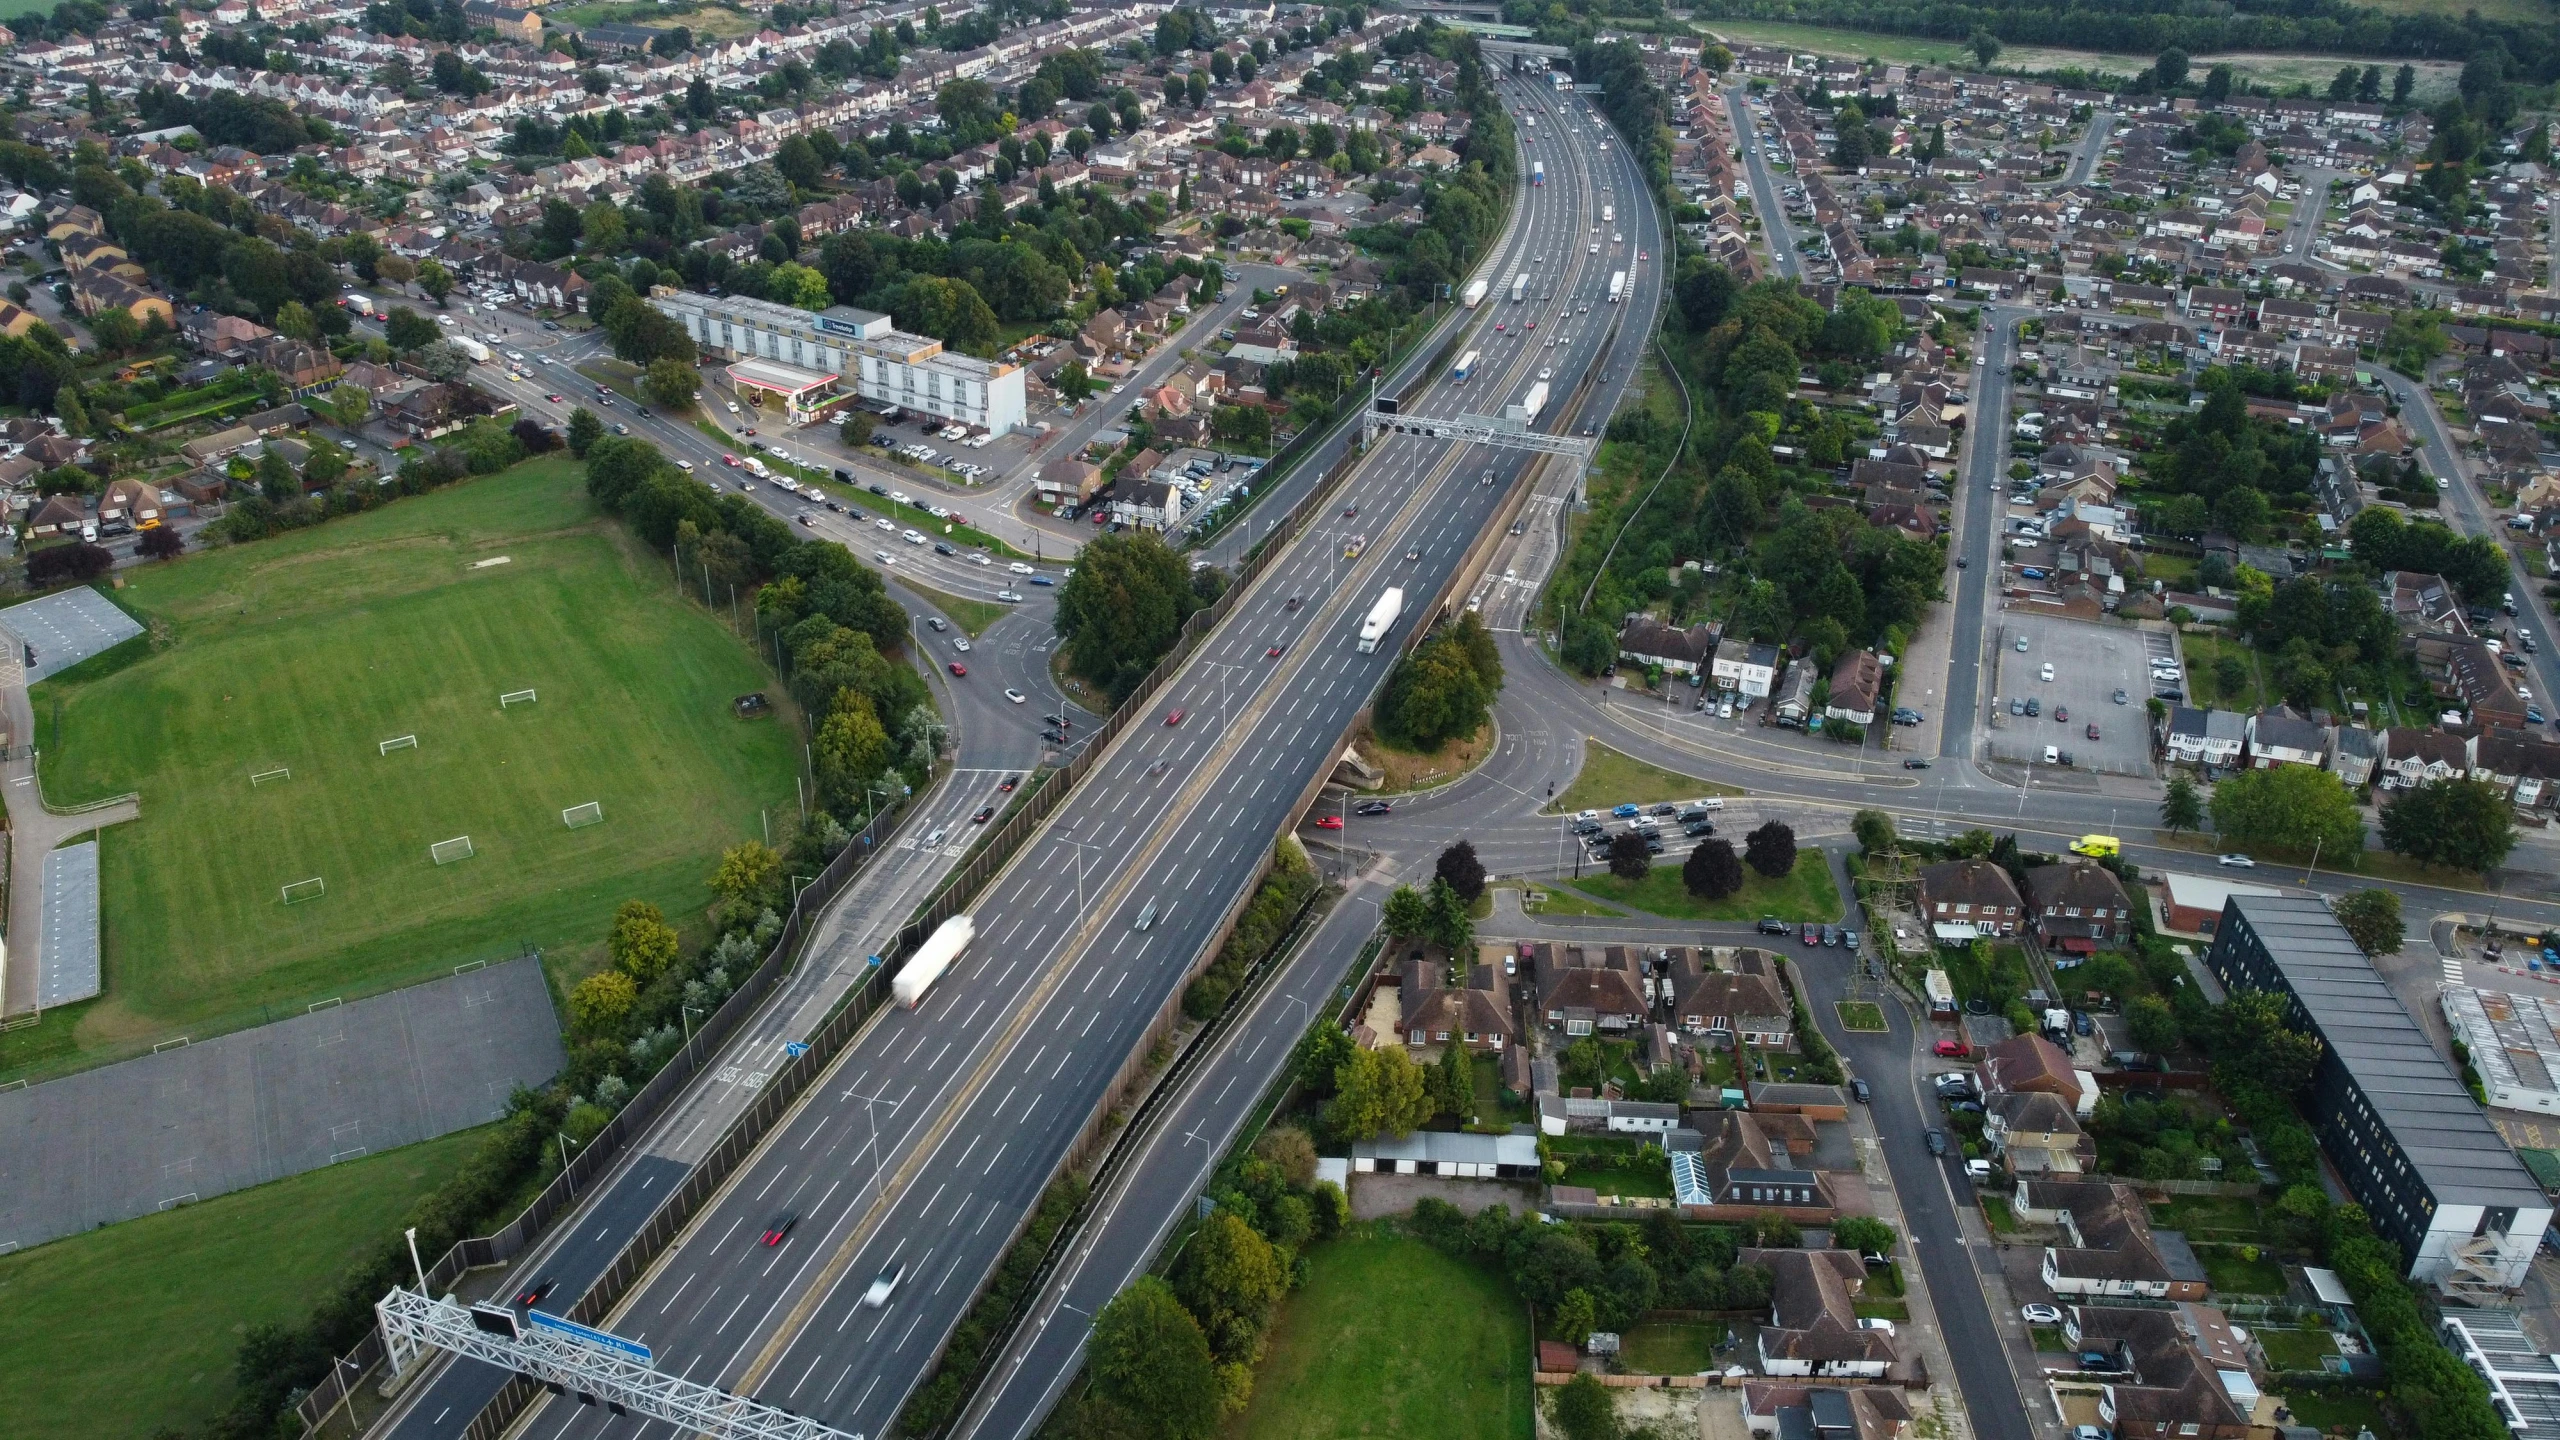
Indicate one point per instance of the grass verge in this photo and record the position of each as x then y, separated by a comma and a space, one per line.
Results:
300, 654
1390, 1337
1611, 777
1561, 901
130, 1329
1865, 1015
1411, 770
972, 616
1806, 893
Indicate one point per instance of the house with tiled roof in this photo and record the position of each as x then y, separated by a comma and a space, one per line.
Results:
1742, 1002
1583, 989
2170, 1367
1813, 1325
2031, 1062
1964, 899
1435, 1012
2079, 905
2107, 1249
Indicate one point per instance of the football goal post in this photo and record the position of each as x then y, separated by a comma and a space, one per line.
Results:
578, 816
301, 890
263, 776
515, 697
403, 742
445, 852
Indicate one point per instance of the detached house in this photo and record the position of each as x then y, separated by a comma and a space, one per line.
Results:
2172, 1363
1435, 1013
1856, 683
2035, 1134
1742, 1005
2108, 1247
1580, 991
1813, 1320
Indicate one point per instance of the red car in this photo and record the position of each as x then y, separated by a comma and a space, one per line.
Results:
959, 669
729, 460
554, 399
1328, 822
1272, 654
2093, 731
533, 1294
1950, 1049
1175, 718
1533, 325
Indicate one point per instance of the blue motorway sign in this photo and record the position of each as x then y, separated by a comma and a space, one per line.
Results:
572, 1330
795, 1049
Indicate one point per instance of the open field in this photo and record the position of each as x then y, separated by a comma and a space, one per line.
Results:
1390, 1337
300, 654
2277, 71
1609, 777
121, 1331
1804, 894
700, 19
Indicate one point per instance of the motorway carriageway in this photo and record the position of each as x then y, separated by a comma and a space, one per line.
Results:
939, 1126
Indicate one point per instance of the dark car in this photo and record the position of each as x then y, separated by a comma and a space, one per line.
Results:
533, 1294
1696, 828
1937, 1142
1772, 925
2099, 1360
1859, 1092
781, 1227
1053, 737
1831, 937
1373, 807
943, 548
2081, 1024
1915, 763
1652, 845
845, 476
877, 489
1009, 782
2035, 708
2062, 713
1665, 808
985, 813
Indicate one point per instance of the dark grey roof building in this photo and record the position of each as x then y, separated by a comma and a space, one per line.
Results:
2416, 1150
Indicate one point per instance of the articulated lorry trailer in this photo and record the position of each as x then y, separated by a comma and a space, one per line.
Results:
1382, 618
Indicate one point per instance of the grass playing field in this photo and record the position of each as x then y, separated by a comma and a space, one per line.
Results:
303, 653
121, 1331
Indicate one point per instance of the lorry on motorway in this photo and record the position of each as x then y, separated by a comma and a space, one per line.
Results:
1530, 404
1474, 294
1381, 618
1537, 172
1519, 287
1617, 286
1466, 365
932, 958
471, 347
1608, 214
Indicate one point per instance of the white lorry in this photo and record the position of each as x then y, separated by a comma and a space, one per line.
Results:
1381, 618
932, 958
1530, 404
1474, 293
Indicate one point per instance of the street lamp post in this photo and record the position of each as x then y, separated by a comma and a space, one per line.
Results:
413, 1262
565, 1142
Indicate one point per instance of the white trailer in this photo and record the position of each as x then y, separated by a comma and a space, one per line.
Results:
1609, 214
1382, 617
932, 958
1475, 293
471, 347
1519, 287
1530, 404
1466, 366
1617, 286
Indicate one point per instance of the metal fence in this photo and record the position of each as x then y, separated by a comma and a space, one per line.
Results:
590, 1164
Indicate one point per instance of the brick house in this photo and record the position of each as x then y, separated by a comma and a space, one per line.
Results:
1965, 898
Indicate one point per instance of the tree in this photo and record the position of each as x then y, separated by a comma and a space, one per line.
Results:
670, 383
1712, 871
1289, 1150
2342, 86
434, 279
1074, 381
856, 429
2217, 84
584, 430
2402, 82
1230, 1277
747, 873
641, 942
601, 1000
1378, 1092
67, 564
1984, 45
1150, 1358
2463, 824
1629, 859
1464, 873
1123, 608
1583, 1408
2171, 68
1406, 915
851, 747
162, 542
406, 329
1771, 850
348, 405
2256, 1045
1874, 829
1863, 1233
2290, 807
2181, 808
1448, 925
2373, 918
442, 360
2154, 1024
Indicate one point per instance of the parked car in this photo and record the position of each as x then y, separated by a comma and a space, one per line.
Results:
1859, 1092
1950, 1049
1772, 925
2040, 1314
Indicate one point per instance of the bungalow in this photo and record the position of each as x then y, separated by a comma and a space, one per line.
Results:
2180, 1372
1792, 704
2108, 1248
2279, 737
1857, 683
1744, 1162
1581, 990
59, 517
1434, 1013
1646, 641
1813, 1324
131, 501
1743, 1005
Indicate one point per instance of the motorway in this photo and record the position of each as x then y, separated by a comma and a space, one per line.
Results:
938, 1127
1175, 1157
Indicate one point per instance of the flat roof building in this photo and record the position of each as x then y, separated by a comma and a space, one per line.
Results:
860, 350
2415, 1149
2513, 1045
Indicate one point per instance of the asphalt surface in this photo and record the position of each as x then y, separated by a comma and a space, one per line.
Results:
1130, 1224
1978, 508
1764, 190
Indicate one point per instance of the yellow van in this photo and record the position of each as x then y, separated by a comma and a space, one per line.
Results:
2097, 847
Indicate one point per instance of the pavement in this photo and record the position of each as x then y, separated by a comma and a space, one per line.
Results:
194, 1121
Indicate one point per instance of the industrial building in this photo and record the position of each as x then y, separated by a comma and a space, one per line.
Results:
813, 361
2414, 1148
2513, 1045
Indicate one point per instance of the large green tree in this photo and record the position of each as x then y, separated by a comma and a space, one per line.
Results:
2462, 823
1123, 608
2181, 808
2373, 918
1771, 849
1712, 871
1150, 1358
2289, 807
1375, 1092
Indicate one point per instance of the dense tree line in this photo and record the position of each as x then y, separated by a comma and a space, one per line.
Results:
1443, 690
2147, 27
1634, 104
2222, 468
2382, 541
1123, 609
1586, 1277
